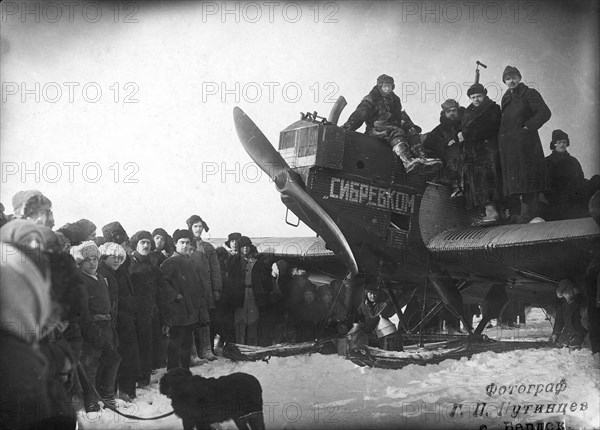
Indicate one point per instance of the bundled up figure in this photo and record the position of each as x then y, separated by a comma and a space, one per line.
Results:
309, 315
375, 307
481, 168
567, 193
443, 143
124, 314
382, 112
207, 262
32, 205
100, 358
185, 305
336, 322
25, 306
247, 278
524, 173
148, 285
568, 328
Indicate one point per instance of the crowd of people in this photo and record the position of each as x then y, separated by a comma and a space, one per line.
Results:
88, 319
491, 154
91, 317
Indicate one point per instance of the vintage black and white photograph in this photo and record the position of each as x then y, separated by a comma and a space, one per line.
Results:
300, 214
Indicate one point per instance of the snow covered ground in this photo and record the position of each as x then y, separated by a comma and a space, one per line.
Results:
329, 392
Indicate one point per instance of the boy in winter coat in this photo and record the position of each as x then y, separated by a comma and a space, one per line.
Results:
100, 358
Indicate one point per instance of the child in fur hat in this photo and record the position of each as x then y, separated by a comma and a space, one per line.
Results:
99, 354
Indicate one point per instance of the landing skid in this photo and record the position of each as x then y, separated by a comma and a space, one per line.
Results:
466, 346
453, 347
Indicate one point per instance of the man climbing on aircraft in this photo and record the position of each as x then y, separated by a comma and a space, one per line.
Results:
382, 112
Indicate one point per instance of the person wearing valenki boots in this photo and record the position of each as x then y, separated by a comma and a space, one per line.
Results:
481, 169
522, 163
206, 260
381, 111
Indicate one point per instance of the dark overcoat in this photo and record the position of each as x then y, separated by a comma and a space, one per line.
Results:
521, 153
126, 318
481, 168
567, 192
148, 284
181, 277
236, 266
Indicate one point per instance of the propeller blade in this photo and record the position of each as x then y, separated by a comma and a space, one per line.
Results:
289, 183
295, 190
257, 145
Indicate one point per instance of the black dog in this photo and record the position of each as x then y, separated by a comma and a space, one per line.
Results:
200, 402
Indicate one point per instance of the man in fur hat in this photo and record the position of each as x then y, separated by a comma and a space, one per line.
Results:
163, 246
382, 112
205, 257
148, 285
567, 194
232, 243
183, 301
524, 172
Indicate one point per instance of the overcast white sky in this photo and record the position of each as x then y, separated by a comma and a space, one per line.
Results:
169, 75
